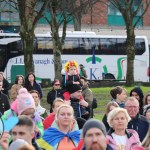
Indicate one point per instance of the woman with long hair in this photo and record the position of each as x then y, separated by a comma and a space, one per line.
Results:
31, 84
138, 94
19, 83
109, 107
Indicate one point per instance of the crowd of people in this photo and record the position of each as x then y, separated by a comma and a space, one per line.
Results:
69, 123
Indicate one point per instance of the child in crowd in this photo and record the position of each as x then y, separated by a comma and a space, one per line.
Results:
25, 105
38, 108
71, 78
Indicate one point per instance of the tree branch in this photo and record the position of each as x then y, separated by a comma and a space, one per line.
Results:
141, 16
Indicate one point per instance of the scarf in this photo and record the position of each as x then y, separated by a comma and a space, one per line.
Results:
53, 136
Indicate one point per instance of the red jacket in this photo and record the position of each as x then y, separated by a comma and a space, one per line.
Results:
48, 121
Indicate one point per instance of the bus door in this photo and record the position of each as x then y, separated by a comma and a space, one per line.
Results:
7, 50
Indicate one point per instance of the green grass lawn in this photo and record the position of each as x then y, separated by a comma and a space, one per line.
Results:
102, 95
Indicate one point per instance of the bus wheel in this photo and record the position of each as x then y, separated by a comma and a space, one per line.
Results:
109, 76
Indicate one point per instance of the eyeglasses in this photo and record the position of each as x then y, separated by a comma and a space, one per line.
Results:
130, 107
56, 84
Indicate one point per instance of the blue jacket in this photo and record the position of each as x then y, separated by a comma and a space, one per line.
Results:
76, 107
37, 86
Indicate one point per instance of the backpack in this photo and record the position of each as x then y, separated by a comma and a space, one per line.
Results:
94, 103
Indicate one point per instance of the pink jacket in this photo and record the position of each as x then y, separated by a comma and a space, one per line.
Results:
132, 140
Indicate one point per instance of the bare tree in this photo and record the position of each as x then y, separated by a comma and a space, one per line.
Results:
58, 8
29, 15
78, 8
65, 9
129, 12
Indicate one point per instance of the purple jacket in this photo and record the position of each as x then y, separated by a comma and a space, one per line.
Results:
132, 140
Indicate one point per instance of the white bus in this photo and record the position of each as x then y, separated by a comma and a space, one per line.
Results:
107, 59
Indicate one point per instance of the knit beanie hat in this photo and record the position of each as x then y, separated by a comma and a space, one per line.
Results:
74, 88
25, 101
16, 144
93, 123
145, 109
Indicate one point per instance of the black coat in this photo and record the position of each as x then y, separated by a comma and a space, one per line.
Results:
6, 87
76, 107
36, 86
4, 102
52, 95
67, 81
104, 120
140, 124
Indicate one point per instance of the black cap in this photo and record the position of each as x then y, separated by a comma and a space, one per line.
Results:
74, 88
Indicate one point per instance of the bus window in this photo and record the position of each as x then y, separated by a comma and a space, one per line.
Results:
49, 45
41, 45
85, 46
20, 46
71, 46
68, 46
139, 46
95, 43
15, 48
108, 46
121, 46
44, 45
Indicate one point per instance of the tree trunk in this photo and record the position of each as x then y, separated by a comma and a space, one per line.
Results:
130, 56
28, 46
57, 59
57, 49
